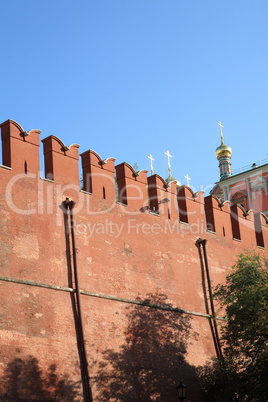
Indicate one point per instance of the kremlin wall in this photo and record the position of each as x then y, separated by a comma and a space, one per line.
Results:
106, 285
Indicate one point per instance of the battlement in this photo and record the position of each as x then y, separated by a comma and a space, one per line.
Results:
120, 185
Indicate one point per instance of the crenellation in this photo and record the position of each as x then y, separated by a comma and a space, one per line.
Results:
172, 205
20, 149
98, 175
218, 216
234, 210
243, 225
191, 207
210, 203
158, 195
61, 161
261, 229
139, 193
132, 186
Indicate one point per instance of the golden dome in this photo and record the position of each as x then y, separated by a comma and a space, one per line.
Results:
170, 179
223, 150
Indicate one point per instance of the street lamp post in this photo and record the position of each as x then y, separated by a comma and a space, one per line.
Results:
182, 391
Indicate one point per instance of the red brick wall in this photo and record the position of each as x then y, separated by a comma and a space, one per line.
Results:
123, 253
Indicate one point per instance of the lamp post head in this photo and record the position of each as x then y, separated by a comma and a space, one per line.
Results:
182, 391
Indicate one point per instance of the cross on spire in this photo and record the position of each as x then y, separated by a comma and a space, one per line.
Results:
169, 156
169, 165
221, 127
187, 179
151, 163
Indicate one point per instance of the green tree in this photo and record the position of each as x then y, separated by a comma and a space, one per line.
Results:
244, 297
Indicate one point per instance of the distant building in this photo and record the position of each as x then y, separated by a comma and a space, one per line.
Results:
248, 187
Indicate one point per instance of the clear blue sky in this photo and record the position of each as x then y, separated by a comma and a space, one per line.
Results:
127, 78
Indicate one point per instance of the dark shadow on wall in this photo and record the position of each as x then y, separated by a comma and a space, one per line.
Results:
208, 297
151, 362
72, 271
23, 380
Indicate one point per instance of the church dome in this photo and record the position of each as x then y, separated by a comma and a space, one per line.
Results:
170, 179
223, 150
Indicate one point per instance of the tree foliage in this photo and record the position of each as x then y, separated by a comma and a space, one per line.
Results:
244, 297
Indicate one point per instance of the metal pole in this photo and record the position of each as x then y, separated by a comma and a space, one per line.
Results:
211, 301
81, 339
